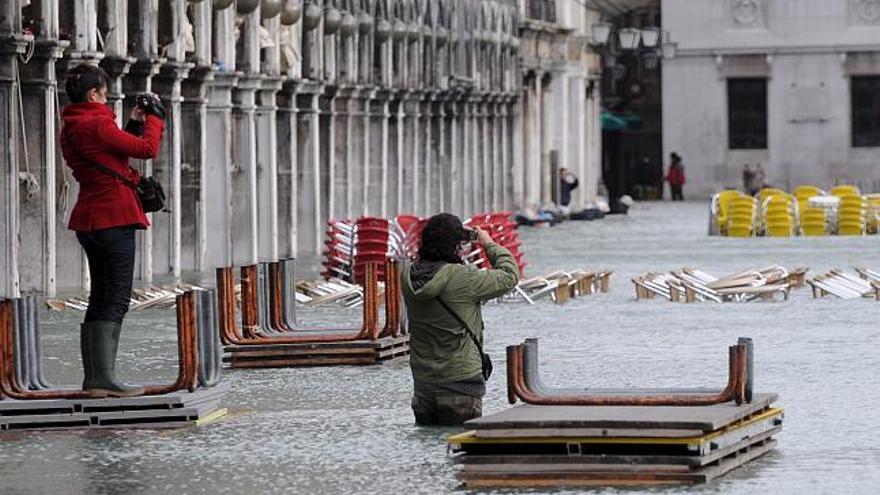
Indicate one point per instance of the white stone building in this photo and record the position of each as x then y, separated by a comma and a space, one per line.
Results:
791, 84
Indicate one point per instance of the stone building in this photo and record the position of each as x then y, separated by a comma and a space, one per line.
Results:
791, 84
284, 113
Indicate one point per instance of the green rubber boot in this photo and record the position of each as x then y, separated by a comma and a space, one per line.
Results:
103, 341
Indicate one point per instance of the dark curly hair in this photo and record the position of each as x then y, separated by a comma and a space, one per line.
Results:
441, 238
81, 79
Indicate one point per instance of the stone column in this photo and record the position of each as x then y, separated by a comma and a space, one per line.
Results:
310, 227
218, 169
11, 44
37, 195
288, 169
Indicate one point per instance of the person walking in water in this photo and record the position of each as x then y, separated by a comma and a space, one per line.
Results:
107, 213
675, 177
568, 182
443, 299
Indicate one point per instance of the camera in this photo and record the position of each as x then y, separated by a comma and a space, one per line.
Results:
470, 235
150, 104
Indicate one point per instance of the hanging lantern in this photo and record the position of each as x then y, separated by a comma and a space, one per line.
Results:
651, 37
629, 38
311, 16
270, 8
383, 30
245, 7
602, 32
349, 25
365, 22
291, 12
221, 4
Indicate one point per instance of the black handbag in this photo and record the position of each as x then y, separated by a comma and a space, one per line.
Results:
484, 358
149, 191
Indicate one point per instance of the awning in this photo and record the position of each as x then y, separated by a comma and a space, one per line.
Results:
618, 121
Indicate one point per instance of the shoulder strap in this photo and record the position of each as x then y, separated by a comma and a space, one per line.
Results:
461, 322
107, 170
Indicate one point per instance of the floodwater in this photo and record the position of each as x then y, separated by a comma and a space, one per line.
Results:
350, 430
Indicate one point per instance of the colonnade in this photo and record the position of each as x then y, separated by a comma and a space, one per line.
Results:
281, 115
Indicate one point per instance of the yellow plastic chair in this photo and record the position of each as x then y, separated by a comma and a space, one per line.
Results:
848, 227
739, 230
845, 190
780, 229
806, 192
814, 229
723, 201
770, 191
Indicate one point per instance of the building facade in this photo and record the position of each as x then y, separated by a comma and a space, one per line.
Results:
792, 85
283, 114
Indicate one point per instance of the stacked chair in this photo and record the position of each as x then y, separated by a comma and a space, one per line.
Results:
503, 231
339, 250
742, 217
852, 215
873, 222
720, 208
780, 215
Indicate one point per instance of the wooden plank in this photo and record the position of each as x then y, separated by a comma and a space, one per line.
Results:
586, 432
691, 460
525, 479
706, 418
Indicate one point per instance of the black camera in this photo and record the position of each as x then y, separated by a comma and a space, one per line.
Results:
150, 104
470, 235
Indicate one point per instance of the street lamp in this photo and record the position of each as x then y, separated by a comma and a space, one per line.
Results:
629, 38
601, 32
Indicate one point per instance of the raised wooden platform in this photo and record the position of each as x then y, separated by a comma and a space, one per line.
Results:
174, 410
562, 446
357, 352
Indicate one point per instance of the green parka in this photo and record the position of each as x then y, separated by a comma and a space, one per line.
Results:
440, 350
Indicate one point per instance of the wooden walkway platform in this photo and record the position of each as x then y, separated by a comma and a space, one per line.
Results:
173, 410
357, 352
564, 446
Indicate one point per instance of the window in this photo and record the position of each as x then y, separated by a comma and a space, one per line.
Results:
747, 113
865, 111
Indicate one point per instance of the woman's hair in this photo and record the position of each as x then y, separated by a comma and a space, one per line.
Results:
441, 238
81, 79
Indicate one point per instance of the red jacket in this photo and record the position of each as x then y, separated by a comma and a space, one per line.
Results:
105, 201
675, 176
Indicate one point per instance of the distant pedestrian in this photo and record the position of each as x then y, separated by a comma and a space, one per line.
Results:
568, 182
753, 178
675, 177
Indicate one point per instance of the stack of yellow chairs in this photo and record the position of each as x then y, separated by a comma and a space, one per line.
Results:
779, 216
741, 216
803, 195
852, 215
813, 221
721, 208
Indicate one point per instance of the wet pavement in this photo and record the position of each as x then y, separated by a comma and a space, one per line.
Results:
348, 430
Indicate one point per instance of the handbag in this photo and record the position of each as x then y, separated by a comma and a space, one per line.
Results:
149, 191
486, 361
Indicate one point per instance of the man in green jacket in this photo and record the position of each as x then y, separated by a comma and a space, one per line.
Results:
445, 361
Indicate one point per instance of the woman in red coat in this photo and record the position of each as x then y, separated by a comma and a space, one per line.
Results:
675, 177
106, 215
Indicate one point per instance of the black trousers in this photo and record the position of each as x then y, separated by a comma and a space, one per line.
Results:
676, 193
111, 267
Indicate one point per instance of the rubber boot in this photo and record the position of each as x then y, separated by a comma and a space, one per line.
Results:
103, 342
85, 348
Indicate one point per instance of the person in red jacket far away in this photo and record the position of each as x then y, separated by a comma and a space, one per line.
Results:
675, 176
107, 213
